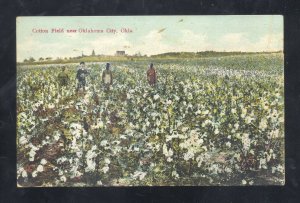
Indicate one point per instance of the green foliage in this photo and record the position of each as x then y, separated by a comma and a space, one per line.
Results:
210, 121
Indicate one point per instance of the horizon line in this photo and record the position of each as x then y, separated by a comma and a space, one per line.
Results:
143, 55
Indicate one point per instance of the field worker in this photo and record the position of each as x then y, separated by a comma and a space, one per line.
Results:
107, 77
81, 75
151, 75
63, 79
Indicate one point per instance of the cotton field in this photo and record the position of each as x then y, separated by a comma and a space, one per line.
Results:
213, 121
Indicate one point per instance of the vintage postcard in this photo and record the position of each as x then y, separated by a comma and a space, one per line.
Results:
150, 101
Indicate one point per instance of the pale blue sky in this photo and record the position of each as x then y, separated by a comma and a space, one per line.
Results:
182, 33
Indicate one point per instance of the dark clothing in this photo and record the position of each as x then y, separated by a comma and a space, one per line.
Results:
151, 76
81, 75
81, 84
63, 79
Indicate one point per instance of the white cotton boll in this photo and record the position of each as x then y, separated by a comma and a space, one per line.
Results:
280, 168
228, 170
101, 124
184, 129
169, 159
262, 163
34, 174
198, 112
183, 145
265, 107
43, 161
248, 119
169, 102
56, 136
90, 154
40, 168
246, 141
107, 161
263, 124
175, 174
32, 154
90, 137
123, 137
77, 134
24, 174
139, 174
103, 143
23, 140
216, 131
207, 122
51, 106
84, 133
166, 152
189, 155
90, 165
63, 178
105, 169
156, 97
60, 172
78, 174
142, 176
147, 123
76, 125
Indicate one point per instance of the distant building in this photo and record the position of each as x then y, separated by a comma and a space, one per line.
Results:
120, 53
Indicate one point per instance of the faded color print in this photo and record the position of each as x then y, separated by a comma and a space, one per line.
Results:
150, 101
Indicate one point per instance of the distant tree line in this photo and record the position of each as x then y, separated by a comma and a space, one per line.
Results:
204, 54
139, 55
